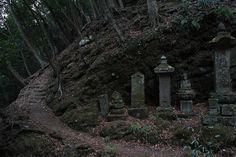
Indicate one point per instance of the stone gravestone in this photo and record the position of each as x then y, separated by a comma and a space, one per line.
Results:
138, 108
214, 108
186, 95
117, 108
164, 70
224, 109
104, 104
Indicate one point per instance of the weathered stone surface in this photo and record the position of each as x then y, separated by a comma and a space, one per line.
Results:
186, 94
104, 104
137, 90
186, 106
222, 44
117, 110
164, 70
226, 120
114, 117
224, 97
227, 110
214, 107
210, 120
138, 109
222, 71
138, 112
115, 130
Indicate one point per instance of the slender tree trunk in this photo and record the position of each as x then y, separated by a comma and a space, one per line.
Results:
65, 35
69, 19
15, 73
121, 4
5, 95
93, 9
52, 61
88, 20
26, 39
115, 26
25, 64
153, 12
111, 4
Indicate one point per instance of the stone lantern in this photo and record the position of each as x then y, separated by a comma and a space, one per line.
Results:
164, 72
186, 95
224, 109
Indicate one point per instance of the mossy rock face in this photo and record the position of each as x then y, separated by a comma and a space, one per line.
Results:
217, 136
81, 119
115, 130
31, 144
60, 108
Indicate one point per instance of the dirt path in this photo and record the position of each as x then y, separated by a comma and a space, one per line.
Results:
41, 117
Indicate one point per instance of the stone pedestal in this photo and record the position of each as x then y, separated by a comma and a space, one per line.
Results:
138, 108
222, 103
186, 95
104, 104
117, 108
164, 72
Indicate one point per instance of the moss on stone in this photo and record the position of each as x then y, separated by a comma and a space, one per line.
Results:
116, 130
82, 118
32, 144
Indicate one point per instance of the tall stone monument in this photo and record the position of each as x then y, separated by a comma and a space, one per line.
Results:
186, 95
164, 72
104, 104
222, 107
117, 108
138, 108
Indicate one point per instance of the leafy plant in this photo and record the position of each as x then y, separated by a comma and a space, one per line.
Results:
135, 127
196, 24
201, 149
223, 12
208, 3
109, 149
144, 133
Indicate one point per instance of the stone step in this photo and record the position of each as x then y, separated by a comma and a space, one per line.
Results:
117, 106
138, 112
113, 117
118, 111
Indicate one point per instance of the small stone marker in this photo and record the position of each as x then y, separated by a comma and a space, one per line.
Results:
117, 110
223, 108
214, 108
186, 94
164, 70
138, 108
104, 104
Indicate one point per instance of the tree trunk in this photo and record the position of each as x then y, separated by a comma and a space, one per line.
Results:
25, 64
111, 4
26, 39
115, 26
65, 35
93, 9
88, 20
121, 4
153, 12
69, 19
15, 73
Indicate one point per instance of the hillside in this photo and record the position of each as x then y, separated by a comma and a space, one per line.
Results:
41, 122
